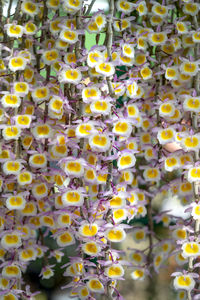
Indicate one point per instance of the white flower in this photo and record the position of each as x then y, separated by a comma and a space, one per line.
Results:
65, 239
90, 93
11, 271
152, 174
40, 93
12, 167
184, 282
14, 30
95, 286
138, 274
191, 249
70, 75
40, 190
69, 36
126, 160
29, 8
196, 212
72, 198
122, 128
124, 6
194, 174
17, 63
11, 240
21, 88
165, 136
11, 100
91, 248
114, 271
99, 142
15, 202
189, 68
192, 104
74, 167
84, 130
115, 234
105, 68
128, 50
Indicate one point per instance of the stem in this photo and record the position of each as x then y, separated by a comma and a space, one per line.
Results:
90, 7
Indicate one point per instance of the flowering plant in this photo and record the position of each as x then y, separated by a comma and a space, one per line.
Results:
90, 137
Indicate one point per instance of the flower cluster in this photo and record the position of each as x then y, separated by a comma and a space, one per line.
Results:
87, 138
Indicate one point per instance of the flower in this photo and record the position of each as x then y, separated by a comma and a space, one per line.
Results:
171, 73
138, 274
100, 107
166, 109
184, 282
157, 38
99, 142
171, 163
121, 25
21, 88
190, 143
40, 190
11, 271
122, 128
50, 56
40, 94
181, 27
124, 6
192, 104
10, 101
69, 75
191, 249
90, 93
159, 10
43, 131
100, 20
23, 121
139, 235
194, 174
83, 293
38, 160
73, 4
189, 68
128, 50
30, 28
196, 211
15, 202
115, 234
72, 198
14, 30
142, 8
126, 160
146, 73
165, 136
30, 8
64, 220
119, 215
27, 254
191, 9
132, 89
17, 63
114, 271
91, 248
69, 36
74, 167
30, 209
94, 285
84, 130
88, 230
12, 167
11, 240
65, 239
105, 68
